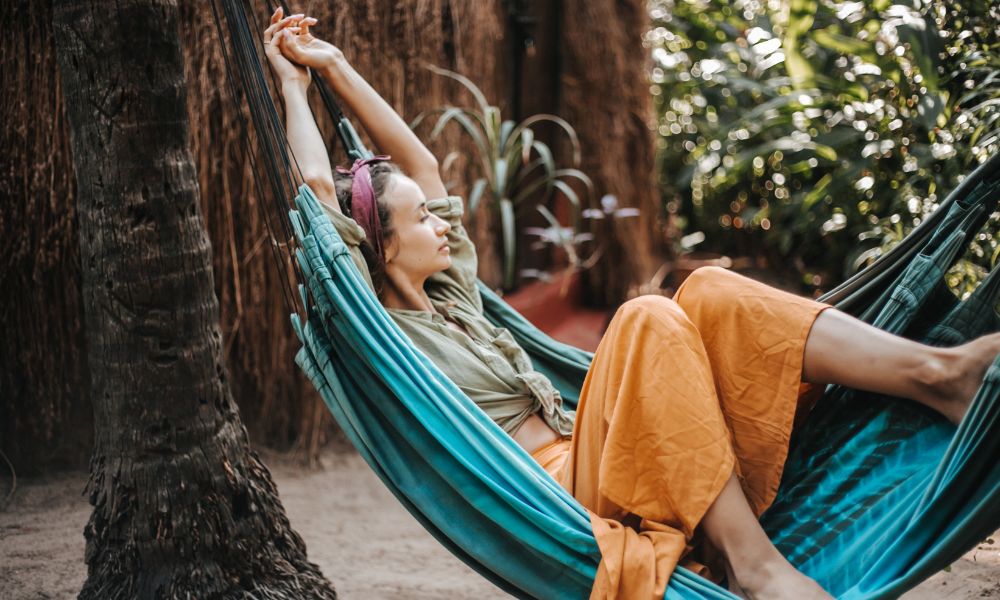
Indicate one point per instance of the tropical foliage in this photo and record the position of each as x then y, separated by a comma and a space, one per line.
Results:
817, 133
518, 171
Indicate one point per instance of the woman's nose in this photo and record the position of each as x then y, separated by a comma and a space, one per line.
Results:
444, 227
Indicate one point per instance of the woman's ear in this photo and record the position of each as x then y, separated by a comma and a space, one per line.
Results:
391, 249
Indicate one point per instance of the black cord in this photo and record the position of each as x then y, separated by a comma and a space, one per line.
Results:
240, 64
277, 166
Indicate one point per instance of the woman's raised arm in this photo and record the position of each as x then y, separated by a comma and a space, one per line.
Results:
304, 138
387, 129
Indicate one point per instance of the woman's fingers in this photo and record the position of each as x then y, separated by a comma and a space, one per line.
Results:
288, 45
279, 25
306, 23
284, 33
281, 41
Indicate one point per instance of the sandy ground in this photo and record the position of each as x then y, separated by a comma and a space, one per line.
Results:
361, 538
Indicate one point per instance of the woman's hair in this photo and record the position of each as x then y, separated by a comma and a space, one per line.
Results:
381, 174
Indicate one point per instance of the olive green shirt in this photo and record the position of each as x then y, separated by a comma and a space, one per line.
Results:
487, 364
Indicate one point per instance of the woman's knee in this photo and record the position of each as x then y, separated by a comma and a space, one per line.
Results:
707, 290
652, 306
650, 302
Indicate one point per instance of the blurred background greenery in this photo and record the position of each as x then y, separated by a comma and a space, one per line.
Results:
814, 134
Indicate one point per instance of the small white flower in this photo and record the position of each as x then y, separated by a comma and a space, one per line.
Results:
942, 151
865, 183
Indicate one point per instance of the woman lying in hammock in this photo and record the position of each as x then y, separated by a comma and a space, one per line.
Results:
683, 423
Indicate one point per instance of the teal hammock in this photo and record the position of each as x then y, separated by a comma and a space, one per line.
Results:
877, 493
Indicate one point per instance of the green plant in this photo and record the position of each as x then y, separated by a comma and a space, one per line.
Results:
517, 171
818, 133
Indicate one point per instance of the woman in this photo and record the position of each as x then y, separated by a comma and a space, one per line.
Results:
684, 418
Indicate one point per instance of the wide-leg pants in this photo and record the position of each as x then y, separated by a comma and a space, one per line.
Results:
682, 394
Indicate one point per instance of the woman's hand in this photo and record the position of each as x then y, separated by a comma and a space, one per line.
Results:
280, 29
305, 49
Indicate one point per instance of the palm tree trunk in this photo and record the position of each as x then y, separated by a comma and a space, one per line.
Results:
182, 506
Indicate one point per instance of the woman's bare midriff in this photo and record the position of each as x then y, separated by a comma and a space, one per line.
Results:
534, 433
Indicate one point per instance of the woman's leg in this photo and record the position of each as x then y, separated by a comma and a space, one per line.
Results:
759, 570
745, 326
654, 441
844, 350
733, 311
754, 337
847, 351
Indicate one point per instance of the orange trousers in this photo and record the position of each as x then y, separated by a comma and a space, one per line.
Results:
680, 395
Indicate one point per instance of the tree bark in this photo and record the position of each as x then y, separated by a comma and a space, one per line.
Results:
589, 66
182, 506
605, 95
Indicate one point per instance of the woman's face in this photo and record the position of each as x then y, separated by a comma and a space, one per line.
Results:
418, 248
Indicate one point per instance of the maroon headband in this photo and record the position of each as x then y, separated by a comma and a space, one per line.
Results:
364, 210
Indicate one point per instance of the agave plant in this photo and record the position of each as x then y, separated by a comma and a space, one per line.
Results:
517, 171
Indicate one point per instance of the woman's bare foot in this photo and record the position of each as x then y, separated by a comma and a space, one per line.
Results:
953, 377
776, 579
756, 569
732, 585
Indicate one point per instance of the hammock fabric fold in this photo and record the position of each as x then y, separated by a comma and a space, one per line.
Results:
877, 493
